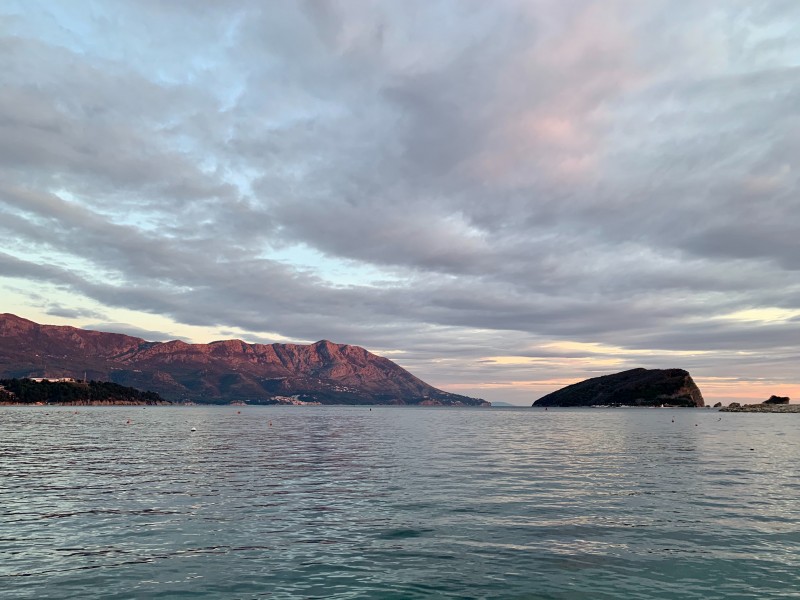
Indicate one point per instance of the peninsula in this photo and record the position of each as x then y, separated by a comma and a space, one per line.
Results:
65, 391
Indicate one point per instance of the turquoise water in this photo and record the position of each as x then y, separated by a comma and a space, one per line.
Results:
347, 502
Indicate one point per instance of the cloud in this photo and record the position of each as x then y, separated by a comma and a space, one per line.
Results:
501, 176
124, 328
71, 313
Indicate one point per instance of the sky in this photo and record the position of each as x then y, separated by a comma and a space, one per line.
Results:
503, 197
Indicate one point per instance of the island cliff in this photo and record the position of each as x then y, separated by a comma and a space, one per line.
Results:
637, 387
219, 372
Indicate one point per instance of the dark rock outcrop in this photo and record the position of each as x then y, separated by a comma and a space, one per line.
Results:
224, 371
637, 387
763, 407
777, 400
718, 405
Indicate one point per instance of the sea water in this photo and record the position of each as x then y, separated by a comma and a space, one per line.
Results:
353, 502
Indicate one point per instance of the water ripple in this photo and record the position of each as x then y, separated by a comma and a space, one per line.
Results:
343, 502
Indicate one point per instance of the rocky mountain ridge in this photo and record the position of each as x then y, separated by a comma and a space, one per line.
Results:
222, 371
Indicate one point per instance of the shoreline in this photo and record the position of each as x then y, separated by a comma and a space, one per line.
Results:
88, 403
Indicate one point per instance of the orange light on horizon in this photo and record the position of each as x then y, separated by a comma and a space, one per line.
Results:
747, 392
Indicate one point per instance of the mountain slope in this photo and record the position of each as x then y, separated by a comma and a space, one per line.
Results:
223, 371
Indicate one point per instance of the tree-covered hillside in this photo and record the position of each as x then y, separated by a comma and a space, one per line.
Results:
27, 391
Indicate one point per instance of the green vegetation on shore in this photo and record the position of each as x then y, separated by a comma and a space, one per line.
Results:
27, 391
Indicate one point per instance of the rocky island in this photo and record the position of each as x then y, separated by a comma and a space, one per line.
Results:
774, 404
220, 372
636, 387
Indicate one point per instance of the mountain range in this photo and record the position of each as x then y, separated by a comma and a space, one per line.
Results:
218, 372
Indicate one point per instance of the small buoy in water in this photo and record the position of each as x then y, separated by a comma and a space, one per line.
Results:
193, 429
752, 448
270, 423
129, 421
238, 412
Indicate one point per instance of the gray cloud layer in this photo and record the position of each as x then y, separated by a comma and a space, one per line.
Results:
513, 173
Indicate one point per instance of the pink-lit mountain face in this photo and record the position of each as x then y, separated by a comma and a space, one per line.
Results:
220, 372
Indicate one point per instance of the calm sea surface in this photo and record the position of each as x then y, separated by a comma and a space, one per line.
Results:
330, 502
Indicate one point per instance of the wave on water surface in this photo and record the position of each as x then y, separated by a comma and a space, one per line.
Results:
347, 502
